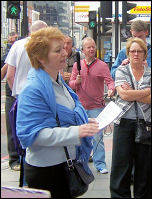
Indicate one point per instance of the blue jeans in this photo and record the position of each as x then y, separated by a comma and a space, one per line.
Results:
98, 144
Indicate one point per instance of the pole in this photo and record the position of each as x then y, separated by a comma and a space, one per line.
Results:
116, 28
24, 31
16, 25
99, 32
72, 20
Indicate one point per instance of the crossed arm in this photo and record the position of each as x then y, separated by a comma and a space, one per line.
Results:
128, 94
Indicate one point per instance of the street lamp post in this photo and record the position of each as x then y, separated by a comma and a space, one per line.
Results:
24, 27
72, 17
99, 32
116, 28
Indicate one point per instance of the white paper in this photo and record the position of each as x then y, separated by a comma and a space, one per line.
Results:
108, 115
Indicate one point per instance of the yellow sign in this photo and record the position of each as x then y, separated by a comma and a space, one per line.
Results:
81, 8
141, 10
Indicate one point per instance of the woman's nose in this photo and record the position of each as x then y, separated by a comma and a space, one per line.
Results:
65, 53
136, 52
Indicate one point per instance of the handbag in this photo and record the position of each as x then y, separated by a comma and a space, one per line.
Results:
78, 179
143, 130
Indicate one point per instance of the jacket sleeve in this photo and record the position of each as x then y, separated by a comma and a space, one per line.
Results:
149, 58
57, 136
121, 56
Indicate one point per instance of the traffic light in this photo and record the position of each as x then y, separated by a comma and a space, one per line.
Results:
125, 16
92, 19
106, 25
13, 9
106, 9
106, 12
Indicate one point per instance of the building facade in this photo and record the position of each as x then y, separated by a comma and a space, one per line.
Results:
55, 13
14, 25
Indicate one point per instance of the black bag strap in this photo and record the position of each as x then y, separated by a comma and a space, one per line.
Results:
21, 179
69, 160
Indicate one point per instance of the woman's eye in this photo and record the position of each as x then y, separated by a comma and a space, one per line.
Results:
58, 51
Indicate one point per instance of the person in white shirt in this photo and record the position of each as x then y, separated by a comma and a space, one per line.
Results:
19, 63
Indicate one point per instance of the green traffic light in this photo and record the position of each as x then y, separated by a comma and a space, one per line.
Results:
92, 24
13, 10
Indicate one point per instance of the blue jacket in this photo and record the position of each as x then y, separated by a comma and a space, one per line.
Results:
37, 109
121, 56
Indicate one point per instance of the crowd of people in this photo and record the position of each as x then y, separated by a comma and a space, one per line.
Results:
43, 77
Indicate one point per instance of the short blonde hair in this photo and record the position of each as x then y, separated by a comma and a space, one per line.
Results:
38, 45
86, 39
138, 41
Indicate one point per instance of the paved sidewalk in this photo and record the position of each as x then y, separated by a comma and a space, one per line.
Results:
99, 188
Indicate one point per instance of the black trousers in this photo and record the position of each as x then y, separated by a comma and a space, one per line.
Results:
51, 178
124, 152
13, 155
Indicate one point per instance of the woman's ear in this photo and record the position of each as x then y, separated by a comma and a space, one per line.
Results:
144, 58
42, 61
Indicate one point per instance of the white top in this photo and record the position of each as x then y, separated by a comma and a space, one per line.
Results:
18, 58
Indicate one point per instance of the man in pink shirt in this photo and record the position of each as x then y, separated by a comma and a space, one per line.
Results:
89, 86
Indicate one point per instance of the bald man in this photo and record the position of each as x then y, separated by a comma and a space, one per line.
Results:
18, 65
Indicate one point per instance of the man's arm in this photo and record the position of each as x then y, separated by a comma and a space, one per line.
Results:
108, 80
11, 61
121, 56
11, 75
3, 71
74, 83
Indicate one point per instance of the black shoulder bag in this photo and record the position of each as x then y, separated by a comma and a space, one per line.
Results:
143, 130
77, 177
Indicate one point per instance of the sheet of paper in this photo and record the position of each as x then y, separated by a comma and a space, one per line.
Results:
108, 115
